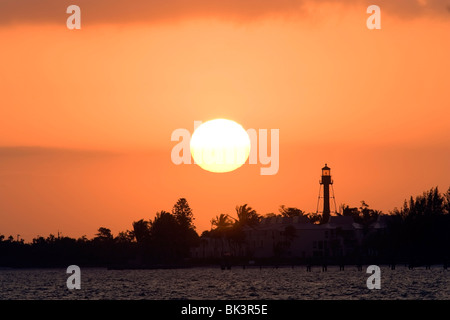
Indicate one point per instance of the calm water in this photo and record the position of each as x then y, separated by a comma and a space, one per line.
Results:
217, 284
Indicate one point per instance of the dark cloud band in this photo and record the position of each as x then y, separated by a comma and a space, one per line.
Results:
152, 11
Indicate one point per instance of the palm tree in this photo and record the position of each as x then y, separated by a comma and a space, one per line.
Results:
141, 231
221, 232
221, 221
247, 215
290, 211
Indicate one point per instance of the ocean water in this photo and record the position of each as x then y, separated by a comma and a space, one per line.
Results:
216, 284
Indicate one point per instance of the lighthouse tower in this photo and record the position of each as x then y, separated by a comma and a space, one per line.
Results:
326, 182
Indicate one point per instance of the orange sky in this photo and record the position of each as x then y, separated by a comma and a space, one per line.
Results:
86, 115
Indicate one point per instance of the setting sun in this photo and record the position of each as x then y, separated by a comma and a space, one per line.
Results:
220, 145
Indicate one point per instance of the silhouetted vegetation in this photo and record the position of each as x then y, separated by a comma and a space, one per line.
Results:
55, 251
362, 215
290, 212
165, 240
417, 233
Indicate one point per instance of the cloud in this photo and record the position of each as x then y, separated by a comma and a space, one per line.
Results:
153, 11
7, 152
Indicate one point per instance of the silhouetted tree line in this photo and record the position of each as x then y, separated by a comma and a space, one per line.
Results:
54, 251
167, 238
418, 233
164, 240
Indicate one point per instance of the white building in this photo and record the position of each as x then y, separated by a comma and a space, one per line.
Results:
298, 238
293, 237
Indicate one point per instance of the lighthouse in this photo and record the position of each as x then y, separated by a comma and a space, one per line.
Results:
325, 184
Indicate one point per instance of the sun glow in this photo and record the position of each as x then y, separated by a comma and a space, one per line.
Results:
220, 145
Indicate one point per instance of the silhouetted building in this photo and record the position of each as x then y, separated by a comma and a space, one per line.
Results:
288, 237
297, 237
